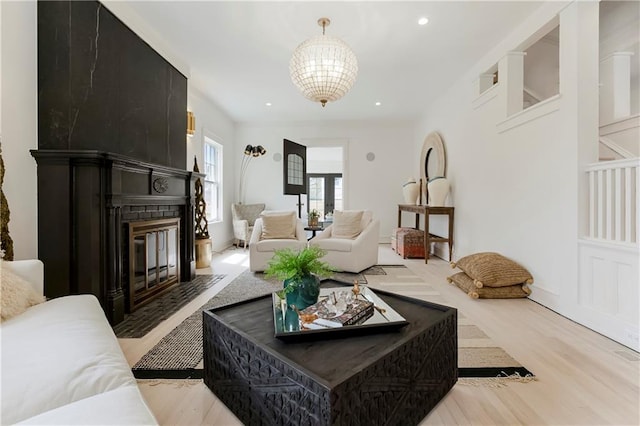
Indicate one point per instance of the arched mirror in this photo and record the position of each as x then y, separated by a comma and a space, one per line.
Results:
433, 161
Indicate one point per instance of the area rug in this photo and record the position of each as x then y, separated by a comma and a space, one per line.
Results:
179, 354
146, 318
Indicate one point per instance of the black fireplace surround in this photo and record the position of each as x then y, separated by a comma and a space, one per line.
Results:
112, 118
86, 200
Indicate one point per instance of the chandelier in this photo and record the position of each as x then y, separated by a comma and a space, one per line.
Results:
324, 67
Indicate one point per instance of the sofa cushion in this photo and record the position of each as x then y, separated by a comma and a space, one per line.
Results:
122, 406
56, 353
278, 225
490, 269
17, 295
347, 223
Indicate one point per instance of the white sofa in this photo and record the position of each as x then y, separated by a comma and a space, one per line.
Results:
61, 364
351, 255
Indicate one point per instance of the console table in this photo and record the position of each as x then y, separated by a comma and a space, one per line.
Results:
429, 237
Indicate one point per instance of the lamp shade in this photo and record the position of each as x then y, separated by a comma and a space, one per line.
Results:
323, 68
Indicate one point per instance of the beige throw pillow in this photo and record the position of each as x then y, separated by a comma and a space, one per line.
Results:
278, 226
17, 295
347, 223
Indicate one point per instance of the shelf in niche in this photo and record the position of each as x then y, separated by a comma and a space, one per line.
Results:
540, 109
485, 96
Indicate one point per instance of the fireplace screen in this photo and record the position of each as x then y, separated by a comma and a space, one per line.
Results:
153, 259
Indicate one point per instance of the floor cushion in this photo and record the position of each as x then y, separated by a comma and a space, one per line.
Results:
490, 269
466, 284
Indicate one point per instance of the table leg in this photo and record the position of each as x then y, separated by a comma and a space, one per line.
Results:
450, 235
399, 218
426, 235
417, 220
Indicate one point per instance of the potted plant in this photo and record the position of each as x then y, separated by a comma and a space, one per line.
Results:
314, 215
301, 272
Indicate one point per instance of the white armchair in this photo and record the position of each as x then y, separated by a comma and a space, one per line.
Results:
264, 241
244, 217
351, 255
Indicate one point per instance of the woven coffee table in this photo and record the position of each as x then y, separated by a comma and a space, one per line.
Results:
385, 378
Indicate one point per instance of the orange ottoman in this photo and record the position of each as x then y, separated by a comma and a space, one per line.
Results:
410, 243
394, 237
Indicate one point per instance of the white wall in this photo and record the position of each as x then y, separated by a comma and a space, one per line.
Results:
20, 122
517, 192
374, 185
213, 123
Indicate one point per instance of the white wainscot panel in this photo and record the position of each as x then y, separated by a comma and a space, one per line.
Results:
608, 291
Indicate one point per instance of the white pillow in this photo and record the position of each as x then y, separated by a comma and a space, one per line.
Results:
278, 225
17, 295
347, 223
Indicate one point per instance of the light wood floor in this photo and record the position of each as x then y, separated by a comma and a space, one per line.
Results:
583, 377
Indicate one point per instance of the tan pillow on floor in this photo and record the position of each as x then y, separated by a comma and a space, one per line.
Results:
278, 226
465, 283
347, 223
17, 295
493, 270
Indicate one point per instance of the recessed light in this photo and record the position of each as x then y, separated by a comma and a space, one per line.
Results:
378, 103
268, 104
423, 21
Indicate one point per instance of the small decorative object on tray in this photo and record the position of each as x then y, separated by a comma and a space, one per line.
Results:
339, 309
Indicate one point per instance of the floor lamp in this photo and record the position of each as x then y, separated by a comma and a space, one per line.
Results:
249, 152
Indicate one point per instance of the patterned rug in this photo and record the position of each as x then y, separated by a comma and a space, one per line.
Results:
179, 354
147, 317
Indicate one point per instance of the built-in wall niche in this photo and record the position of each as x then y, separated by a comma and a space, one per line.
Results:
541, 69
487, 79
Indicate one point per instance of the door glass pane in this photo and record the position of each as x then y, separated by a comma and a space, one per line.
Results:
337, 187
316, 194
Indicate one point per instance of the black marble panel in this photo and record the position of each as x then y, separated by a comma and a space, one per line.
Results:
101, 87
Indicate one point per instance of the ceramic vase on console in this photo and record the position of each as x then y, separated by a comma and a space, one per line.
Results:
411, 190
438, 190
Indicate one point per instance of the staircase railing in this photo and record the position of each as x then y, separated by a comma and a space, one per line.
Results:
614, 204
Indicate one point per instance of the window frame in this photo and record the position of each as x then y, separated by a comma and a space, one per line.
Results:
213, 182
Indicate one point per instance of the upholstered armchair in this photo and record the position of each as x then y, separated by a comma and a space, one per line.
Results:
274, 230
244, 217
351, 242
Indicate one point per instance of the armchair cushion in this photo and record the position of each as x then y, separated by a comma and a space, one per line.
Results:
278, 225
248, 212
347, 223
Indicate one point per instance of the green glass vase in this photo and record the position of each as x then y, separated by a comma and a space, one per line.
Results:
305, 292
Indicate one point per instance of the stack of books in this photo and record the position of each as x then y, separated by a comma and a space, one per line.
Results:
356, 313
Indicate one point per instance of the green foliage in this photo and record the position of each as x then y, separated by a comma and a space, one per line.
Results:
314, 214
292, 265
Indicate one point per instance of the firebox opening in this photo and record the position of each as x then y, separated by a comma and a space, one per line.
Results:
154, 259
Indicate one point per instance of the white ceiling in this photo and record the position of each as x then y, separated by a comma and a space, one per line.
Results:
238, 52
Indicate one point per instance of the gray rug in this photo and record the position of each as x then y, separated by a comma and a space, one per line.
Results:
180, 351
179, 354
146, 318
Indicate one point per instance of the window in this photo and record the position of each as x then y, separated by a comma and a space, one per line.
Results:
213, 179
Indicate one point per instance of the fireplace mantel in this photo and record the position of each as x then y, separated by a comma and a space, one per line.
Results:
85, 200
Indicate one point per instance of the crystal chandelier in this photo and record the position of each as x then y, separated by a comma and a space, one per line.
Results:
324, 67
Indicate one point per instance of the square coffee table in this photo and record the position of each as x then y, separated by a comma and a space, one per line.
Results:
384, 378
